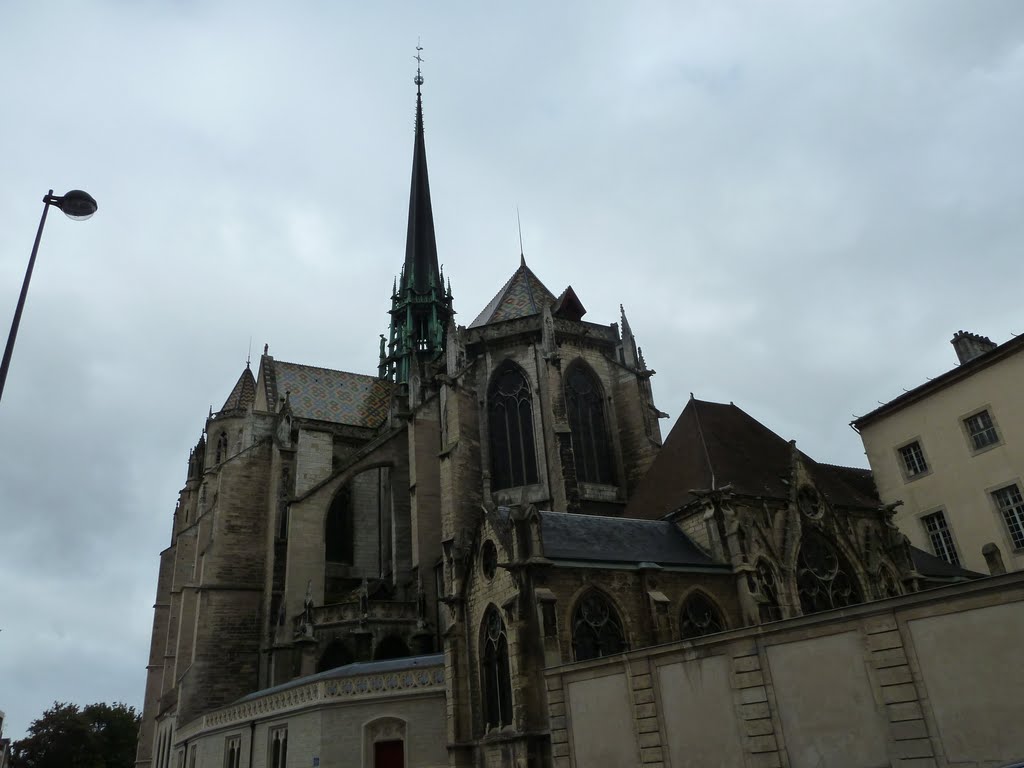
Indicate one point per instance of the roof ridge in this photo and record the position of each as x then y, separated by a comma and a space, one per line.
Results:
604, 517
331, 370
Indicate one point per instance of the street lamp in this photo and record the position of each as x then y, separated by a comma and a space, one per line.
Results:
77, 205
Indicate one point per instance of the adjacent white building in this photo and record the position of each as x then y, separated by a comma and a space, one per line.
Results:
952, 452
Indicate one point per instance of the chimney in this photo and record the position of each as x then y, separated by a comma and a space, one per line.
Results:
970, 345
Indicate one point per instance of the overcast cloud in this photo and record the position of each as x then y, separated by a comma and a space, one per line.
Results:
798, 203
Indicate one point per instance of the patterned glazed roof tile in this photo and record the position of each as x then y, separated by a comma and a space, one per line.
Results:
335, 396
523, 295
244, 393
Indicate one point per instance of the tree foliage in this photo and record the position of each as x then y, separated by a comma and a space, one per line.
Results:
67, 736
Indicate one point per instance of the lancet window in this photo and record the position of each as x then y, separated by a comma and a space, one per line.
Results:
339, 534
596, 628
278, 748
497, 681
222, 446
510, 407
824, 578
584, 402
700, 616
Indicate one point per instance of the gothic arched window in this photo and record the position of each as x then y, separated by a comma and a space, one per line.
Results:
824, 578
339, 534
497, 681
585, 405
700, 616
596, 628
510, 407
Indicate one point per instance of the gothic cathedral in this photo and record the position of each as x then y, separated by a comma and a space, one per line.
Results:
375, 570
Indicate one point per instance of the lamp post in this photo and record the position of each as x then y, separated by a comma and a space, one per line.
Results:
77, 205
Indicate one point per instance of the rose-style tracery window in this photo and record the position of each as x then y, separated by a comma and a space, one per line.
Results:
497, 681
700, 616
585, 405
824, 578
510, 418
596, 628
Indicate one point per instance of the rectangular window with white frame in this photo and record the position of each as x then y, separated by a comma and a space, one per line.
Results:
1011, 506
981, 430
912, 459
941, 537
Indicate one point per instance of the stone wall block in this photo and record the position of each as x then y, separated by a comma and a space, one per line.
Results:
755, 711
892, 657
912, 748
746, 663
885, 640
895, 694
908, 729
908, 710
748, 679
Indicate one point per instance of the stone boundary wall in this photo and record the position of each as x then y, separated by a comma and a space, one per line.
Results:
927, 680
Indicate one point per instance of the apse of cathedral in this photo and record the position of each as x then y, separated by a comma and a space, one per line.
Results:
496, 497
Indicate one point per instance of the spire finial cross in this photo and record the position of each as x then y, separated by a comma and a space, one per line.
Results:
419, 60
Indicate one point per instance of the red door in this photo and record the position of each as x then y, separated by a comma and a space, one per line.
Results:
389, 754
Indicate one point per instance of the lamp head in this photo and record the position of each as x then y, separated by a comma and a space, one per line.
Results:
76, 204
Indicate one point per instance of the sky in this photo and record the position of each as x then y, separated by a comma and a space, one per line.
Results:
798, 204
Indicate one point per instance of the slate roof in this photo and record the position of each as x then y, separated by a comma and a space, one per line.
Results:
595, 538
716, 444
328, 395
934, 567
244, 393
352, 670
523, 295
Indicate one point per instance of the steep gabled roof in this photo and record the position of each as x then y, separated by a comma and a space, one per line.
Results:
243, 394
599, 539
324, 394
523, 295
716, 444
568, 305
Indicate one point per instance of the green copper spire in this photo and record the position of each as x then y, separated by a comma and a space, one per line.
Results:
420, 307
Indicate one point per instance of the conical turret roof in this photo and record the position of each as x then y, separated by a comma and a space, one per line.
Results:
523, 295
244, 393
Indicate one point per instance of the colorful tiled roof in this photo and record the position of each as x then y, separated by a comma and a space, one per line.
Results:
244, 393
523, 295
327, 395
